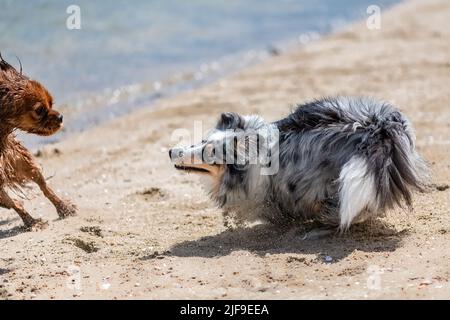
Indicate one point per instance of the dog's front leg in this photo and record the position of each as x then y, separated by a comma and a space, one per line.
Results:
64, 208
29, 222
30, 171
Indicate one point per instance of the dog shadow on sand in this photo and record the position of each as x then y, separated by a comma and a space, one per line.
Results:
374, 236
8, 233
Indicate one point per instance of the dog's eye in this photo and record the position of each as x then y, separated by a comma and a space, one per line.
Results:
209, 149
41, 111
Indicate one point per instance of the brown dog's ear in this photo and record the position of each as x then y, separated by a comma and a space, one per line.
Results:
230, 120
6, 67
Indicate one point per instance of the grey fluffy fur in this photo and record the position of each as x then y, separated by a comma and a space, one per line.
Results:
320, 143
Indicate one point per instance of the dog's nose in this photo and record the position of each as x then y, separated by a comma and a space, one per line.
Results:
60, 118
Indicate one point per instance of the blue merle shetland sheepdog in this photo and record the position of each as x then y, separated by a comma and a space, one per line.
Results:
338, 160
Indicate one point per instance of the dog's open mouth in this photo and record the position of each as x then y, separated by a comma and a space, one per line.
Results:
191, 168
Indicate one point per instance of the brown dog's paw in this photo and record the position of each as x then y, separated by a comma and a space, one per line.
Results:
66, 209
36, 225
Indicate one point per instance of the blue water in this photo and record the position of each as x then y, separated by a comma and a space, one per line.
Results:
130, 53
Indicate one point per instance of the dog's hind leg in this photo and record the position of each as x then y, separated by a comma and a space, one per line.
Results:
29, 222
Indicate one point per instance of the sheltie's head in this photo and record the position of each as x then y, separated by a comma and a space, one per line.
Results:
228, 153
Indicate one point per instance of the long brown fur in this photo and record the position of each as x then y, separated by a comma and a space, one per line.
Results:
25, 105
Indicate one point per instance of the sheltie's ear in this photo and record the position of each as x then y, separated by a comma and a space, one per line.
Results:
230, 120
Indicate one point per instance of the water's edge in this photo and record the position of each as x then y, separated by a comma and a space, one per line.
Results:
92, 91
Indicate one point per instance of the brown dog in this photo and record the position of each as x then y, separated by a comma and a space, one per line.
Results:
26, 105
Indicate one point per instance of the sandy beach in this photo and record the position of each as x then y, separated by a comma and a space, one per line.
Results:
147, 231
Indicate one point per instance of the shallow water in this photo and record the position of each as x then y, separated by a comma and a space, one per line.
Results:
130, 53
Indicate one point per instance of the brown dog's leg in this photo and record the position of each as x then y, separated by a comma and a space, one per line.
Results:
64, 207
30, 171
30, 222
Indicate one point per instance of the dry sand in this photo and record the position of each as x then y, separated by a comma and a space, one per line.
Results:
145, 230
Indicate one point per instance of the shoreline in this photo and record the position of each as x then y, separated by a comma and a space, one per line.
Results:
129, 97
114, 102
158, 236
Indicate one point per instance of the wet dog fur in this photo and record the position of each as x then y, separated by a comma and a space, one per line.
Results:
25, 105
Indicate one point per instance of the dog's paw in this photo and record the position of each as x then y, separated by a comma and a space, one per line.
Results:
66, 209
36, 225
317, 234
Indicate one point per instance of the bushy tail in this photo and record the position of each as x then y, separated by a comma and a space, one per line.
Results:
384, 173
394, 162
